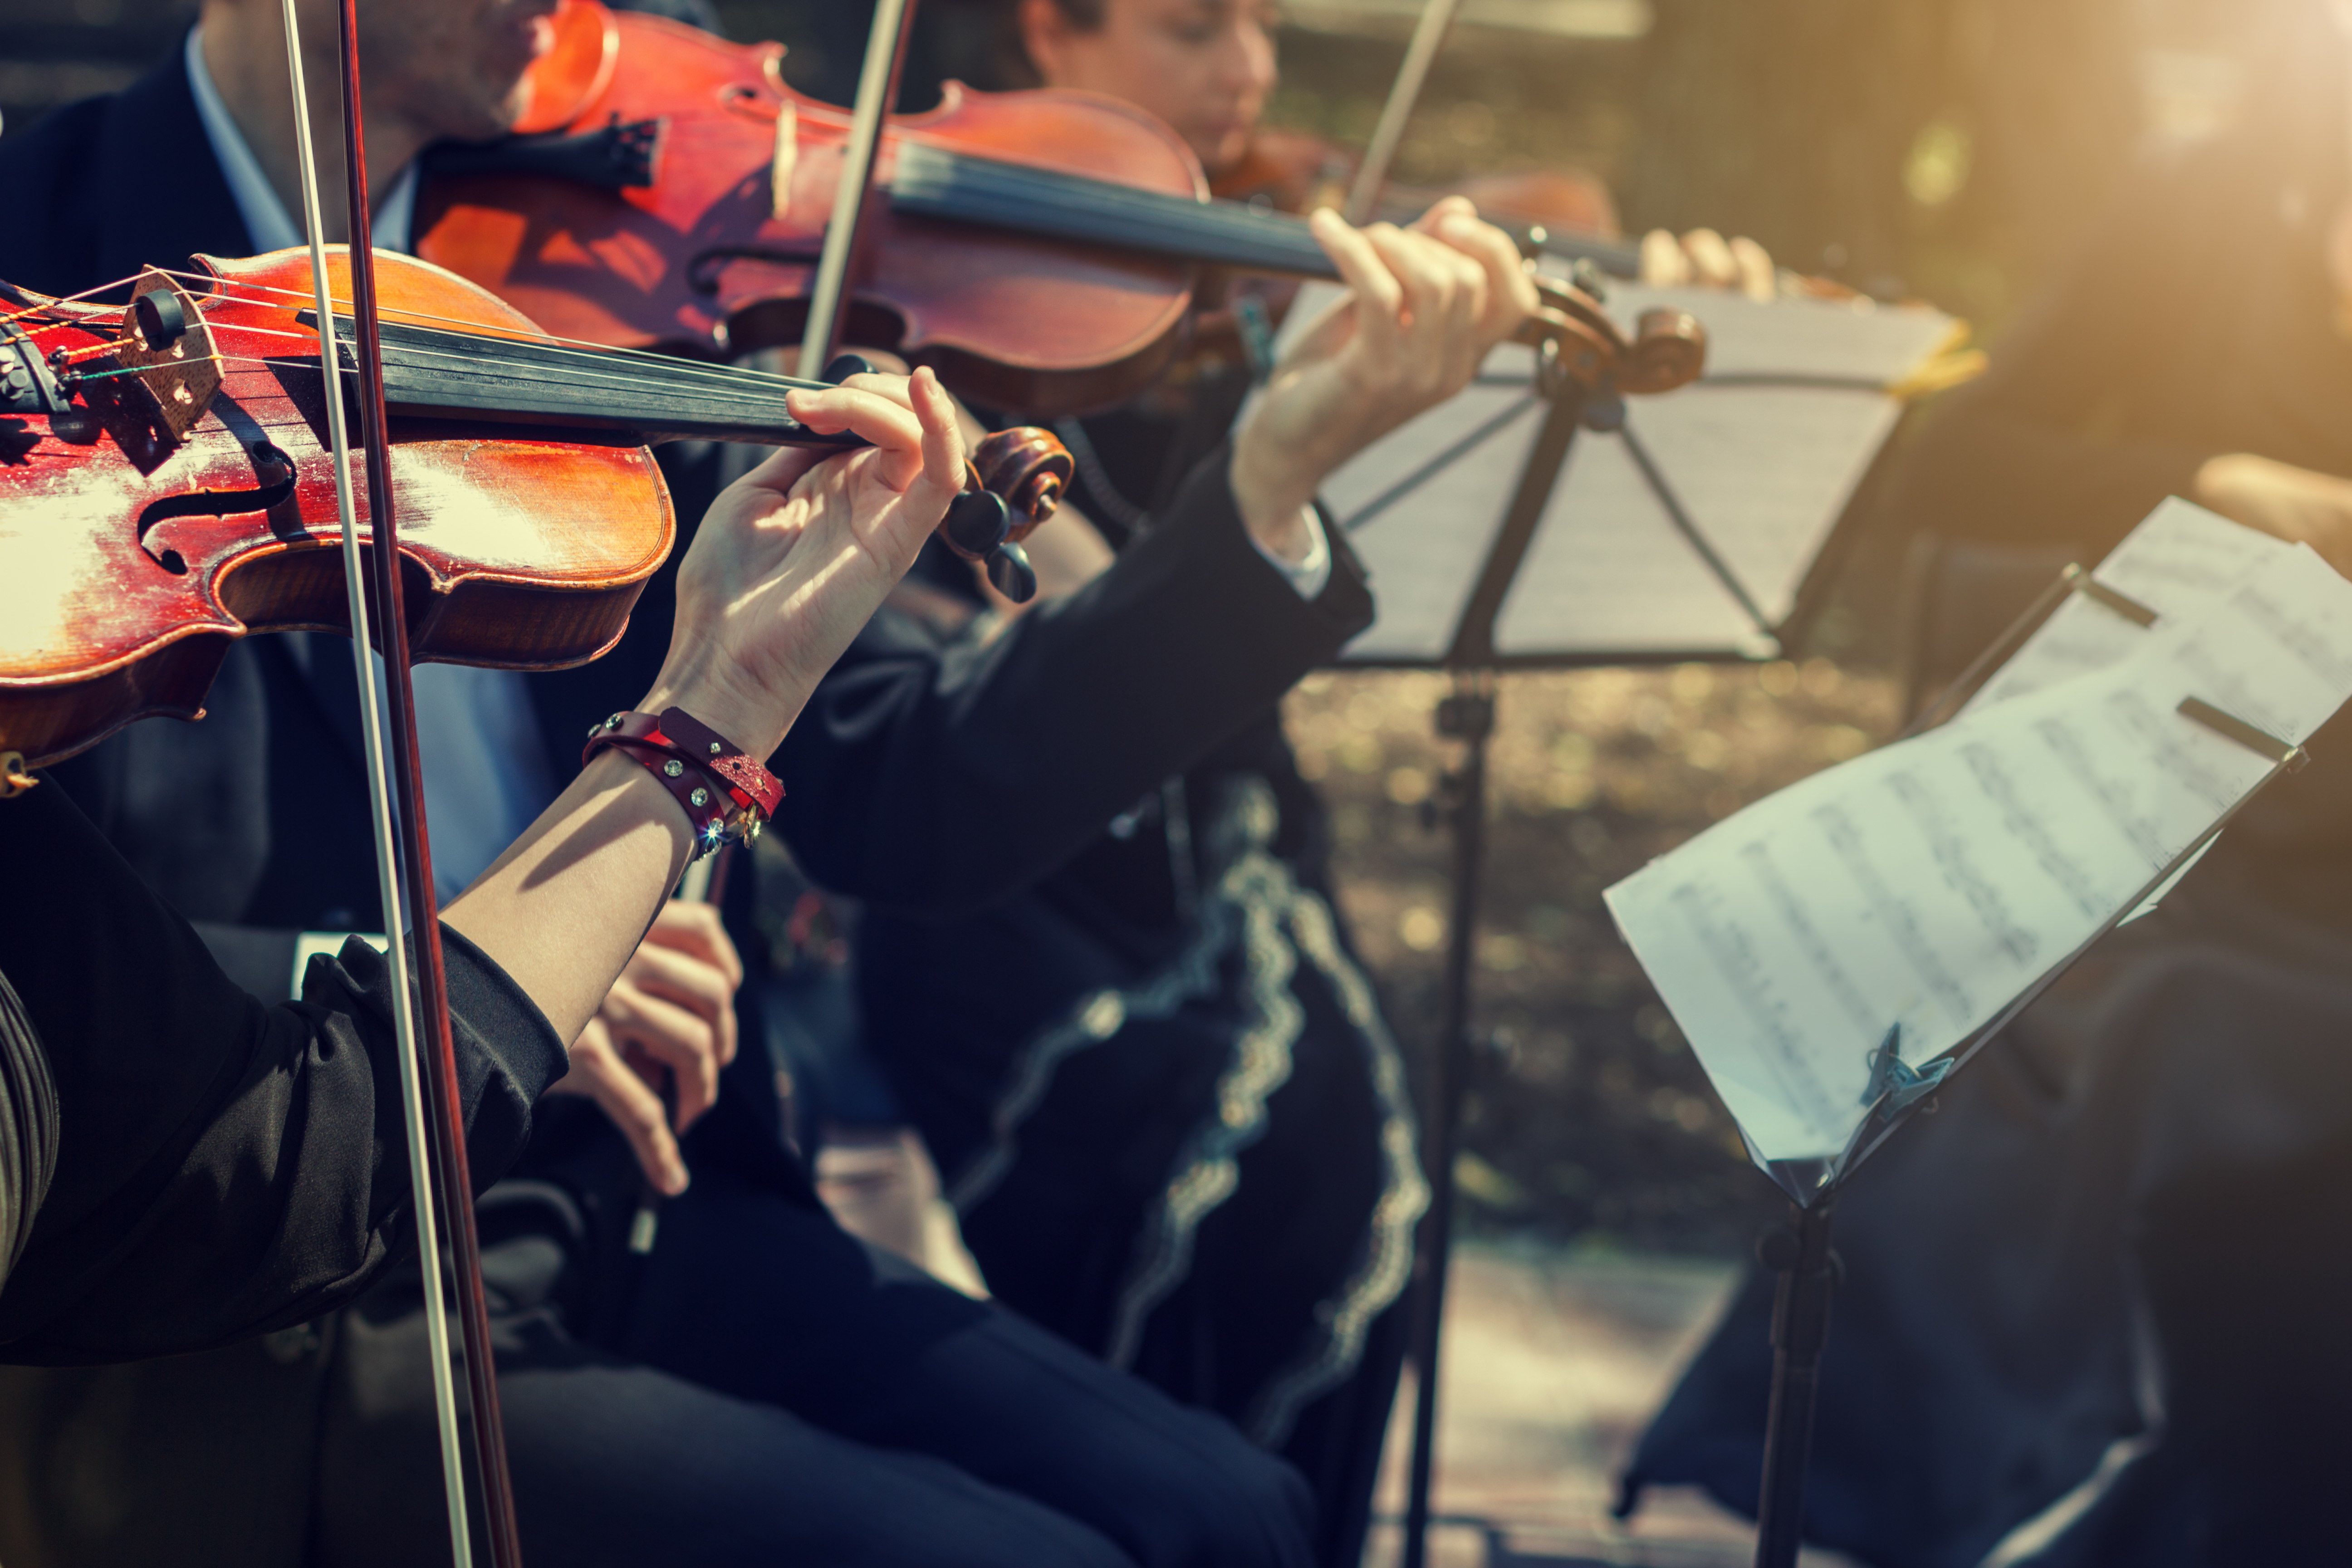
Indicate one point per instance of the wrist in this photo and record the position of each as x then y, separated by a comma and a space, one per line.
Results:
1272, 498
755, 723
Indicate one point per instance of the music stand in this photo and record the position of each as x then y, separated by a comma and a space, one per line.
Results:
1697, 526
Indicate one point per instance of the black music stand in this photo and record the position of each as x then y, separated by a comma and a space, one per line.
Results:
1608, 550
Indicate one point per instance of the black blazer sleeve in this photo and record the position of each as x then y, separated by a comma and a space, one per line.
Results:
937, 776
223, 1168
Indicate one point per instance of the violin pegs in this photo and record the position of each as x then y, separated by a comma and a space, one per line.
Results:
1009, 570
841, 367
977, 523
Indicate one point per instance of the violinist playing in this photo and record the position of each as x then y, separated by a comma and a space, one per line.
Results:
183, 1164
756, 1384
1115, 996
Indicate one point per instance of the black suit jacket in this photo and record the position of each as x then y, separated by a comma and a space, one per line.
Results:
224, 1168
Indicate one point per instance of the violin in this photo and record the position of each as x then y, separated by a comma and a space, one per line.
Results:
1570, 216
172, 462
1039, 249
1567, 214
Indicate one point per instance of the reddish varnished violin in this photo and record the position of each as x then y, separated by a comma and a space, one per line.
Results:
1039, 249
171, 463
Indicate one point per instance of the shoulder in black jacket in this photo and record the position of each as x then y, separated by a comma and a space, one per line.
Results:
222, 1167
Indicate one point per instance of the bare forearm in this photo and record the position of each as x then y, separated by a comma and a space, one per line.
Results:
562, 911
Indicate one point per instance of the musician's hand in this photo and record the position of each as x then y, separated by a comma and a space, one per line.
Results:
793, 558
2297, 505
1706, 258
670, 1018
1424, 306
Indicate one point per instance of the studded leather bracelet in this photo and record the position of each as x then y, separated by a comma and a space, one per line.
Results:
726, 794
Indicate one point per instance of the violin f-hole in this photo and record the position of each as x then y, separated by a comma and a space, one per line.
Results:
271, 467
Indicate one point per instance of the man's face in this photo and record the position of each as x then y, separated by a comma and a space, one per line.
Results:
1204, 66
450, 67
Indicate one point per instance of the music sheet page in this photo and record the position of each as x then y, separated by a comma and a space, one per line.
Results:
2177, 562
1932, 883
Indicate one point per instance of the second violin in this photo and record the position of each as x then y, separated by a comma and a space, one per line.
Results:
1039, 249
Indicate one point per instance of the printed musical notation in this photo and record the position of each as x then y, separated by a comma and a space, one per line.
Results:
2178, 562
1933, 883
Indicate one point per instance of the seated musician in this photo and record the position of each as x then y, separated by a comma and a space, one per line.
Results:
1206, 68
2139, 1187
182, 1165
1115, 995
755, 1383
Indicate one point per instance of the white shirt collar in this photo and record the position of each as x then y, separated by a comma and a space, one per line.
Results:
266, 222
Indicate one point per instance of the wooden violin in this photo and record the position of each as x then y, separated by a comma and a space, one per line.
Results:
1039, 249
165, 480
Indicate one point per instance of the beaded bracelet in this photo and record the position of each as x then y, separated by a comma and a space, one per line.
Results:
726, 794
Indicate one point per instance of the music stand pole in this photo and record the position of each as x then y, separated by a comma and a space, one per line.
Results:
1800, 1252
1467, 714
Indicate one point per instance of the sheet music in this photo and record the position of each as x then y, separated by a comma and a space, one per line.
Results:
1858, 340
2178, 561
1932, 883
1763, 470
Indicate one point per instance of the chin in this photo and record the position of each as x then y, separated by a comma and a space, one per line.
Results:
1221, 154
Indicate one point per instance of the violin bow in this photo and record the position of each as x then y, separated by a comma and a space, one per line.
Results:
442, 1132
1428, 36
878, 89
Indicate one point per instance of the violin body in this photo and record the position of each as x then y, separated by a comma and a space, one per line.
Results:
132, 555
1039, 249
715, 256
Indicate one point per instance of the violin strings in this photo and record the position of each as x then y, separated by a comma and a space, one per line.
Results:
675, 365
756, 402
68, 300
1040, 188
753, 398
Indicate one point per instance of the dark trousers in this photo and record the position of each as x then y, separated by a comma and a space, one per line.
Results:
767, 1389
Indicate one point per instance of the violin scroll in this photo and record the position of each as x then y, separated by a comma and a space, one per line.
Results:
1030, 469
1583, 348
1669, 350
1015, 479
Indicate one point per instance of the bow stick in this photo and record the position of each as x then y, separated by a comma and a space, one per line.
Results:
443, 1130
878, 89
1428, 34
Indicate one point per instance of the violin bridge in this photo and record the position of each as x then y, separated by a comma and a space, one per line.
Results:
166, 338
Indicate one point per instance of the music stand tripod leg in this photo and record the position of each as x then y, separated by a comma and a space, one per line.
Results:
1466, 715
1800, 1252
